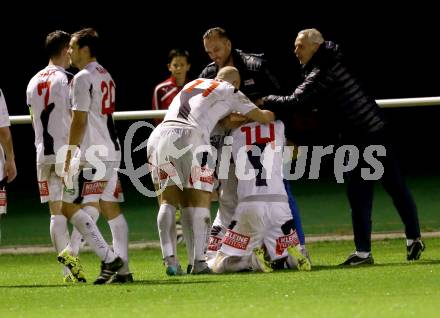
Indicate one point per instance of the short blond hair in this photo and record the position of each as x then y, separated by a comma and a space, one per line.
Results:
313, 35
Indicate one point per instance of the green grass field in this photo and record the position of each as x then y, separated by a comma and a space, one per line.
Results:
30, 286
323, 204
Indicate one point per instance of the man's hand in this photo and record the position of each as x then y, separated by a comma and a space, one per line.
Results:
269, 114
10, 169
259, 102
233, 120
71, 166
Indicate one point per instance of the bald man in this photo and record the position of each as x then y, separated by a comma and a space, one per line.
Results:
182, 159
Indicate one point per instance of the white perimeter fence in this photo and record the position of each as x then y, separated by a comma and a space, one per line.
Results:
147, 114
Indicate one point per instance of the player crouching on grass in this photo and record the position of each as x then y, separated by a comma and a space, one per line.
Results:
262, 217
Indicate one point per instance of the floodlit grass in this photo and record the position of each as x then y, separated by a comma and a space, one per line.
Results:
30, 286
323, 204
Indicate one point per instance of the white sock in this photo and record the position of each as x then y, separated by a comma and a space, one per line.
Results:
119, 229
166, 224
363, 254
88, 229
409, 242
76, 237
59, 235
201, 225
58, 232
185, 219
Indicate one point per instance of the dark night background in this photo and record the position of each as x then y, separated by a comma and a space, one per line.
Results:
394, 50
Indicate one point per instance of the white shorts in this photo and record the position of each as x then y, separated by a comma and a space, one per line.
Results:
180, 156
50, 184
258, 223
108, 188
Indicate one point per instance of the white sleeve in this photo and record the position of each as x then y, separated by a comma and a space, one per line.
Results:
81, 92
4, 115
28, 95
240, 103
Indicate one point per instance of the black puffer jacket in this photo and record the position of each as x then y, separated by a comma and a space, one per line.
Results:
256, 80
329, 87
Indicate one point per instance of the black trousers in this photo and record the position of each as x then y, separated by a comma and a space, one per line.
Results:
360, 193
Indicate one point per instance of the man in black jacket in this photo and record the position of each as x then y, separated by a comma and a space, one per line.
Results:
330, 87
256, 81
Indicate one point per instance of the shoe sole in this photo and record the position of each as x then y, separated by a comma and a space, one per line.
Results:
120, 280
360, 263
206, 270
262, 264
303, 263
411, 257
69, 279
367, 261
77, 273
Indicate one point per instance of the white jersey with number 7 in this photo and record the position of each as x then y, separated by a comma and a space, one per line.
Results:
203, 102
47, 95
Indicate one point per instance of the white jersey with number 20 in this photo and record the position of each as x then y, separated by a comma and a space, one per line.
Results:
93, 91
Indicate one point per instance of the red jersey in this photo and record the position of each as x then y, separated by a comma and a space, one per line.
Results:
164, 93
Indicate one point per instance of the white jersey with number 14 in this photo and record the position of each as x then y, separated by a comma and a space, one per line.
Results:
259, 148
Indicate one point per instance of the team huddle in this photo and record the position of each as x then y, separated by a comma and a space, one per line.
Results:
214, 143
186, 180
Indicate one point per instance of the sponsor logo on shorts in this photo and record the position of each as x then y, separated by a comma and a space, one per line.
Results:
44, 188
214, 243
69, 191
202, 174
284, 242
96, 187
167, 170
236, 240
3, 201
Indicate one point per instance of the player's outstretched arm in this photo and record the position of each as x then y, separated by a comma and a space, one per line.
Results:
233, 120
261, 116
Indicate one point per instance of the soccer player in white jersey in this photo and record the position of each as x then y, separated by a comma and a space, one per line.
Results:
47, 96
92, 159
8, 171
180, 151
262, 216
